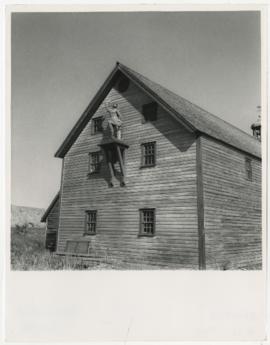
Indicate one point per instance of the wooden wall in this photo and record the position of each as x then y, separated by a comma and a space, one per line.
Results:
169, 187
232, 207
52, 226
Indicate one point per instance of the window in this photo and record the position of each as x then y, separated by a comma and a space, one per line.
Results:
149, 154
94, 162
149, 112
97, 125
248, 169
90, 222
147, 222
123, 84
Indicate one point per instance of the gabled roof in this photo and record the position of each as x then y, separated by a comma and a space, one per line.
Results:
45, 215
188, 114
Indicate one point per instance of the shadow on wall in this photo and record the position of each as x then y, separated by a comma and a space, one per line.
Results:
104, 171
181, 145
136, 99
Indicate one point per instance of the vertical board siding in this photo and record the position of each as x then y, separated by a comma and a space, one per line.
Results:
200, 204
169, 187
232, 206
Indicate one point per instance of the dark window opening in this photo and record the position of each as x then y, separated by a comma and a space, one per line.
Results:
149, 112
257, 133
149, 154
94, 162
147, 226
123, 84
248, 169
90, 222
97, 125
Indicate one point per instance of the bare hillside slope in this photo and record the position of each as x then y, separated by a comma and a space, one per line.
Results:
30, 216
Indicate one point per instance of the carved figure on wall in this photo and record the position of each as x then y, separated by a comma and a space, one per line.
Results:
115, 121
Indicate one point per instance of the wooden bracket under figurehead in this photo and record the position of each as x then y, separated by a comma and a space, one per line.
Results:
114, 150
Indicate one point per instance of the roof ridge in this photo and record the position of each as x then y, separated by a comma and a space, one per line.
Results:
186, 100
198, 117
191, 116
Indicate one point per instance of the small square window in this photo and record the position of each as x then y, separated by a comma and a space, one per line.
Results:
148, 154
248, 169
90, 222
94, 162
149, 112
147, 222
97, 125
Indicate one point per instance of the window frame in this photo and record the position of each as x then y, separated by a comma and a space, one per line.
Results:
143, 233
144, 155
248, 169
97, 165
95, 127
93, 222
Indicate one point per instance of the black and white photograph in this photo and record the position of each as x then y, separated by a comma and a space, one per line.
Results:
136, 141
135, 192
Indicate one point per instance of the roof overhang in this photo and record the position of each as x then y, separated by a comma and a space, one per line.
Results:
45, 215
99, 97
205, 125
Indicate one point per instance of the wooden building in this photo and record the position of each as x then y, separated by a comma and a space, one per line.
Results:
180, 188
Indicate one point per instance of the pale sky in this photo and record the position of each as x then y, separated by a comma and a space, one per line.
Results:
59, 60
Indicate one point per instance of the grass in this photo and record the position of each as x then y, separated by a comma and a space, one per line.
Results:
29, 254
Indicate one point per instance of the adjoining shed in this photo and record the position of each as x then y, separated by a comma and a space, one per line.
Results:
51, 218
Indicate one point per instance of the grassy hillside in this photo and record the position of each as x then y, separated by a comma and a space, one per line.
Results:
28, 253
30, 216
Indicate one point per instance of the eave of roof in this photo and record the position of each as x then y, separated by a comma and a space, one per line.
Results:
194, 118
88, 113
198, 118
45, 215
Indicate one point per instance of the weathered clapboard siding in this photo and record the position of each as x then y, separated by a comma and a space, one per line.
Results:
232, 207
52, 223
53, 217
169, 187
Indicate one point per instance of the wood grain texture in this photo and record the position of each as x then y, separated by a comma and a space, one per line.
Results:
232, 206
208, 214
170, 187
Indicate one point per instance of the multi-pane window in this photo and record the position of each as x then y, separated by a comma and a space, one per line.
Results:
248, 169
147, 226
97, 125
149, 112
90, 222
94, 162
148, 154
